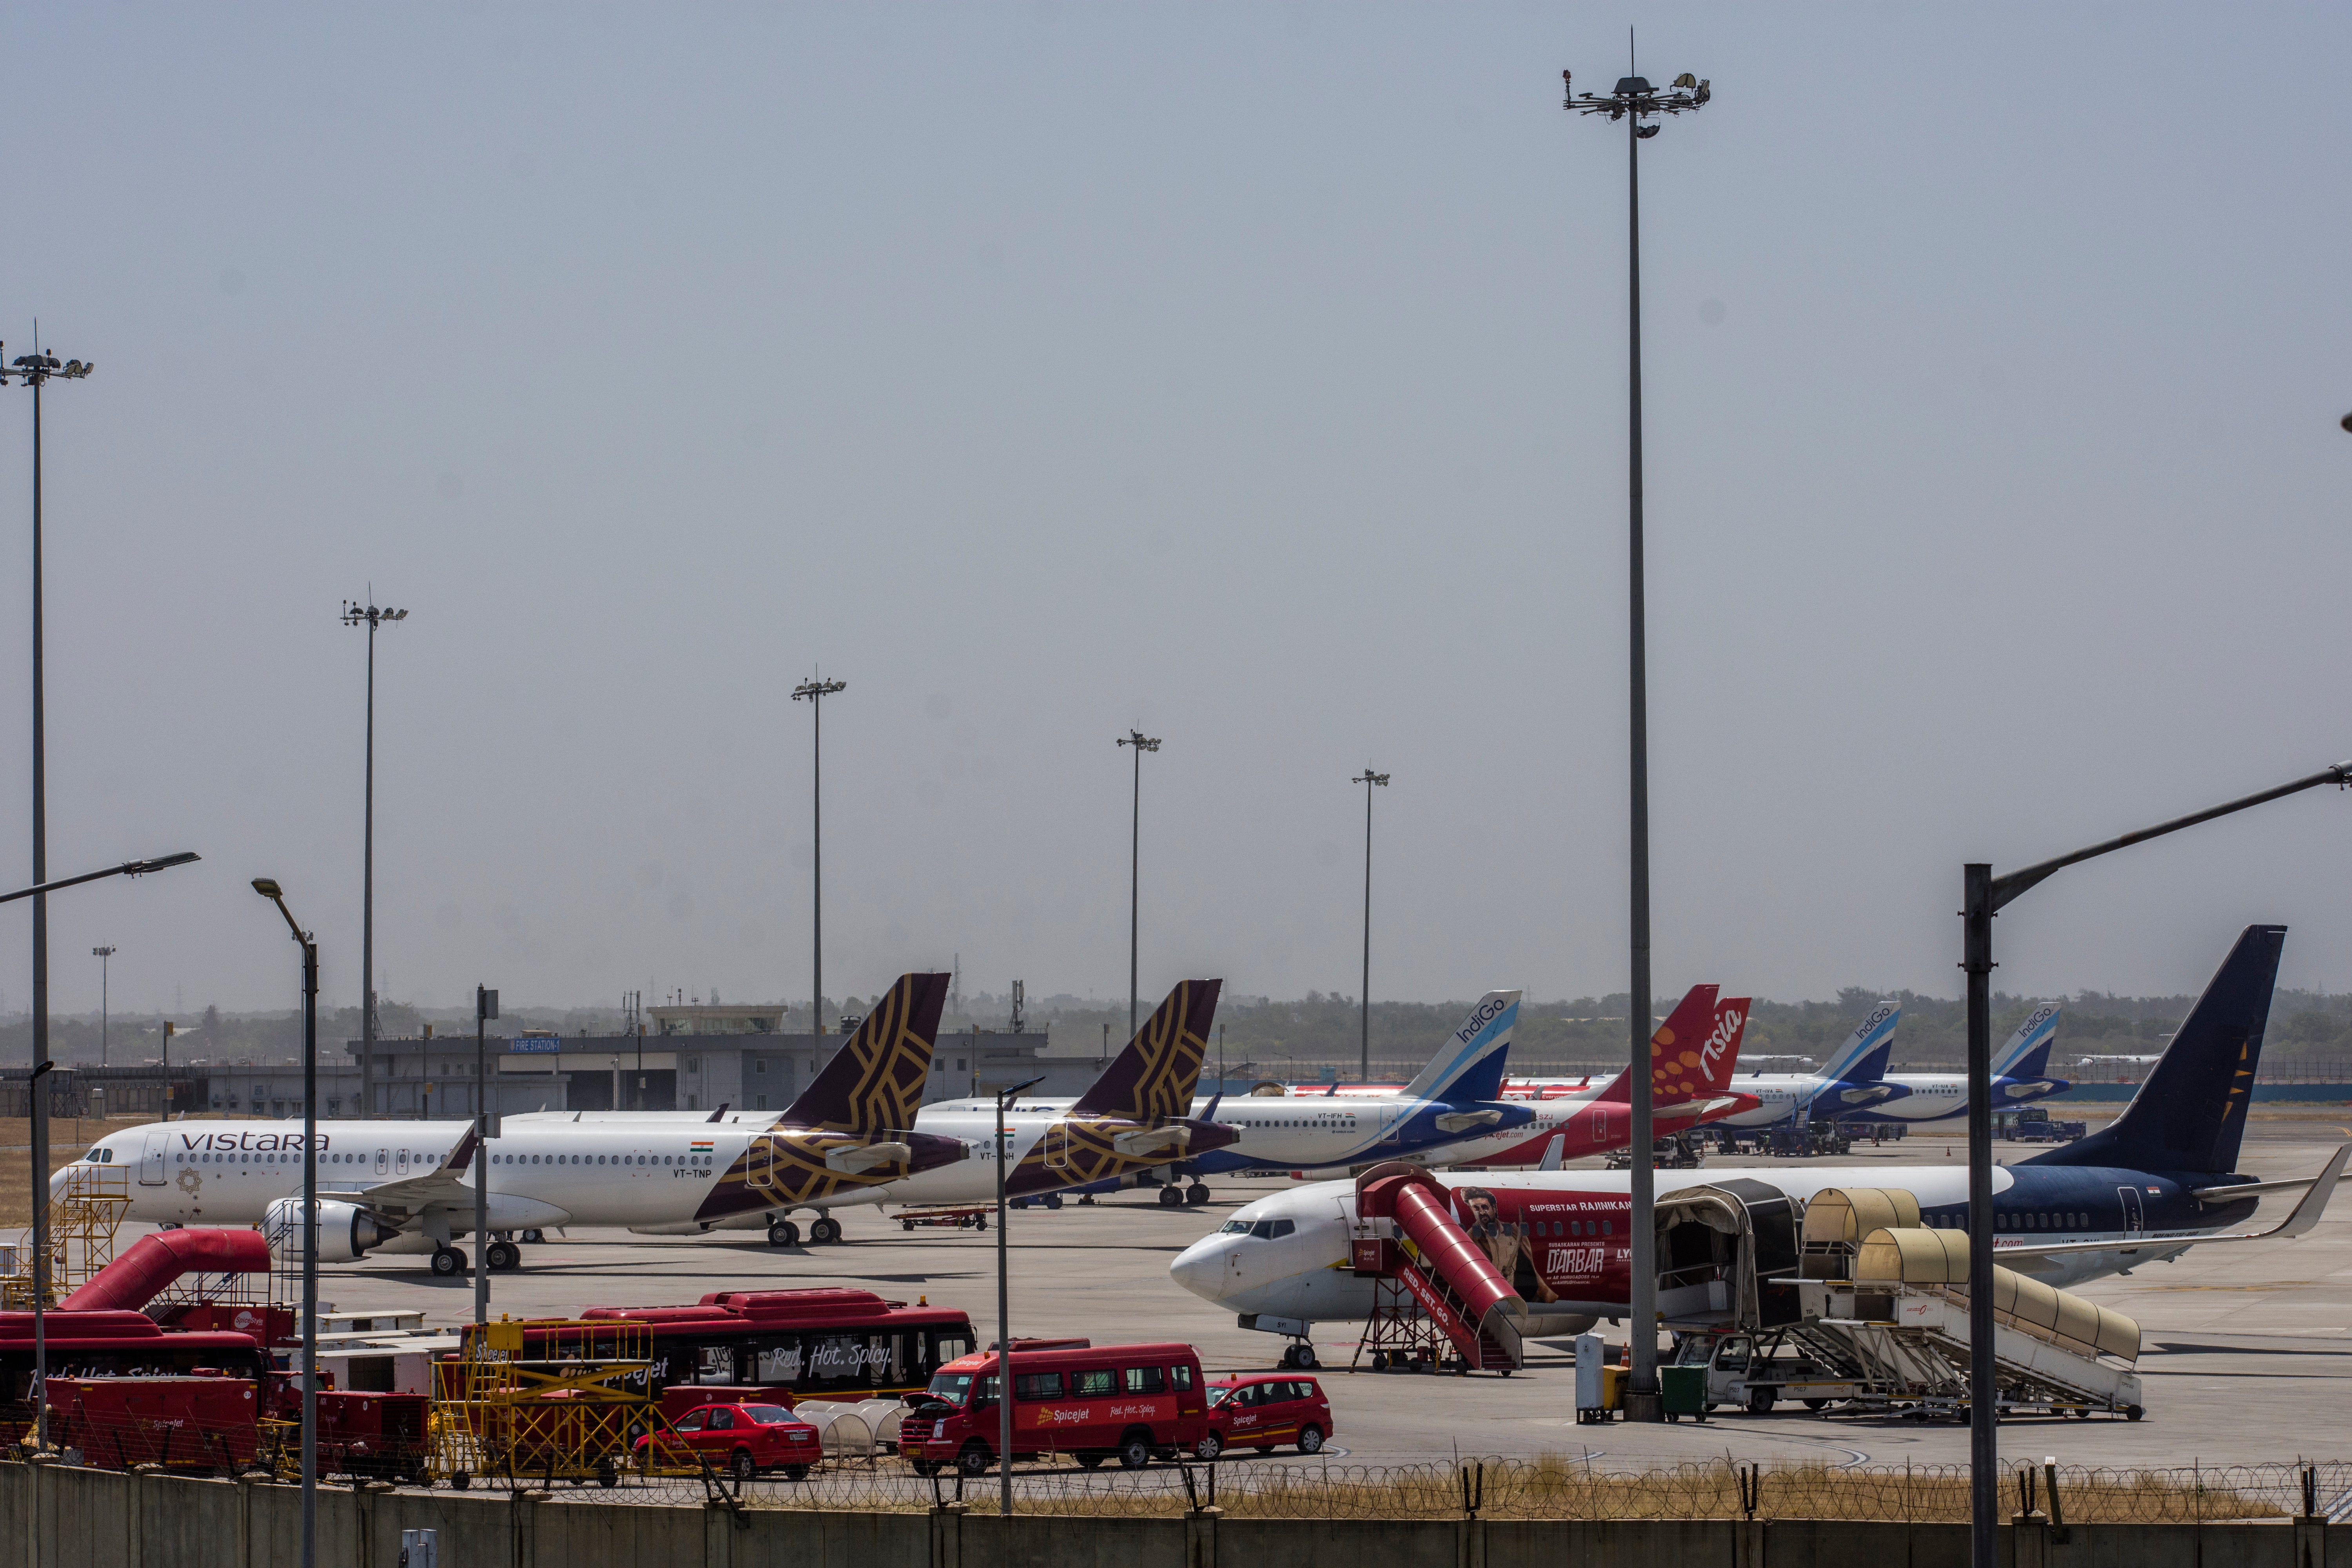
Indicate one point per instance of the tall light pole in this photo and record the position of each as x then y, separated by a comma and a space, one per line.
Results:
38, 1094
1004, 1304
1369, 780
102, 954
486, 1007
269, 889
370, 617
813, 691
1142, 744
1632, 100
1983, 896
35, 370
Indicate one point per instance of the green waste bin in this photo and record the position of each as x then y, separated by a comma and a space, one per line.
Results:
1685, 1390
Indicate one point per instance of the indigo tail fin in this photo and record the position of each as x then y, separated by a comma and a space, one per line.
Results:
2027, 1052
2191, 1112
1156, 1075
1865, 1056
875, 1083
1469, 1065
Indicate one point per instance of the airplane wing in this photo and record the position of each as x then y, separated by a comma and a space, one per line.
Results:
2301, 1218
440, 1186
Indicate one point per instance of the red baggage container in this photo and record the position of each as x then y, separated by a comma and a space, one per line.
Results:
207, 1425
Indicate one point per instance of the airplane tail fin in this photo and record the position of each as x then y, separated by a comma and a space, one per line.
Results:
1701, 1068
1155, 1076
1685, 1029
1469, 1065
2026, 1053
875, 1083
2191, 1111
1865, 1056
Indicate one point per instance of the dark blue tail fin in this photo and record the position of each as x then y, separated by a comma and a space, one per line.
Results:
2191, 1111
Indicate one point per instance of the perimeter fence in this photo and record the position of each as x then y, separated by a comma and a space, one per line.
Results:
1549, 1488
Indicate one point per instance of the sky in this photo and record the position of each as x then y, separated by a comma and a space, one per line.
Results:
1251, 374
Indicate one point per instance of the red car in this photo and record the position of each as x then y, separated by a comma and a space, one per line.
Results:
1262, 1413
741, 1440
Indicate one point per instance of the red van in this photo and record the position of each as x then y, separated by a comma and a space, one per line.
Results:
1263, 1413
1090, 1403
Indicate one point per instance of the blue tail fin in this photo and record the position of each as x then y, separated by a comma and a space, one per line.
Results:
1863, 1056
1469, 1065
2190, 1113
2027, 1052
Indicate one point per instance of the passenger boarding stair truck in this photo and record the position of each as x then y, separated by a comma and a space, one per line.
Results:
1876, 1318
1438, 1284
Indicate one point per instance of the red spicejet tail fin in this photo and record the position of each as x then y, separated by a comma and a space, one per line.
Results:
1687, 1023
875, 1083
1701, 1067
1156, 1075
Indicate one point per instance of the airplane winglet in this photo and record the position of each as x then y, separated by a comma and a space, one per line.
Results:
718, 1113
462, 1156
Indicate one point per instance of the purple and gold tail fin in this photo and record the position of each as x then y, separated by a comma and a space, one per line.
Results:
875, 1083
1156, 1075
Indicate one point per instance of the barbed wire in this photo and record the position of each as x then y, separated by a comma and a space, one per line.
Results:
1551, 1487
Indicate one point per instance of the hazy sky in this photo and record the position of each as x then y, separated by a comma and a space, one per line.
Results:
1252, 374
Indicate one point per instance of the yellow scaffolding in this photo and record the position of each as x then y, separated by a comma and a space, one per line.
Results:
83, 1219
544, 1399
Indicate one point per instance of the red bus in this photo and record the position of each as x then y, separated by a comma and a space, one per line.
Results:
1093, 1403
807, 1345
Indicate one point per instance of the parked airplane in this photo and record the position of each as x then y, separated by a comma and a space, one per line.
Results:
1132, 1120
1691, 1056
2154, 1182
409, 1187
2019, 1074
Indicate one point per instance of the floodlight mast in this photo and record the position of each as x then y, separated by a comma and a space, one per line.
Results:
1370, 781
370, 616
1633, 100
1142, 744
813, 691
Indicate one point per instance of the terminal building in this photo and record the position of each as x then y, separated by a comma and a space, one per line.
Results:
687, 1058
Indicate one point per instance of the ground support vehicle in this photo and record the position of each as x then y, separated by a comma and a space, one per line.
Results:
1810, 1141
1133, 1402
1264, 1413
1869, 1312
548, 1400
2035, 1124
201, 1426
961, 1217
818, 1344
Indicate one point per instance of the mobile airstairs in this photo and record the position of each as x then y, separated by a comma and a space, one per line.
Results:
1849, 1301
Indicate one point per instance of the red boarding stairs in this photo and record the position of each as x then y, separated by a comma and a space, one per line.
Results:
1446, 1272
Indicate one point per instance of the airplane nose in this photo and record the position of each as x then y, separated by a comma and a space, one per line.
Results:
1201, 1269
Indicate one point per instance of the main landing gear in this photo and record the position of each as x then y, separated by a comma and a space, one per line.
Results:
1172, 1197
449, 1262
823, 1231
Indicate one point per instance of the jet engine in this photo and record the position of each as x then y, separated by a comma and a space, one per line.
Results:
346, 1231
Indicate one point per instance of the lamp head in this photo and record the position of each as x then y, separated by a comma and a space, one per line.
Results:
268, 887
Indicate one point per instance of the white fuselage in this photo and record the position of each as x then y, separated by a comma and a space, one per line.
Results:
541, 1173
1303, 1272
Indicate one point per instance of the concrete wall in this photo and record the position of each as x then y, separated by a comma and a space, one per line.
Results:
55, 1517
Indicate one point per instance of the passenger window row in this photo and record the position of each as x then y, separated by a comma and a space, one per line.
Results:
1092, 1383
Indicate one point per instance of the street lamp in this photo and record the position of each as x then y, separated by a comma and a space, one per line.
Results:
1633, 100
1004, 1306
370, 617
37, 1093
36, 370
269, 889
1142, 744
813, 691
1369, 779
1983, 896
486, 1007
102, 954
